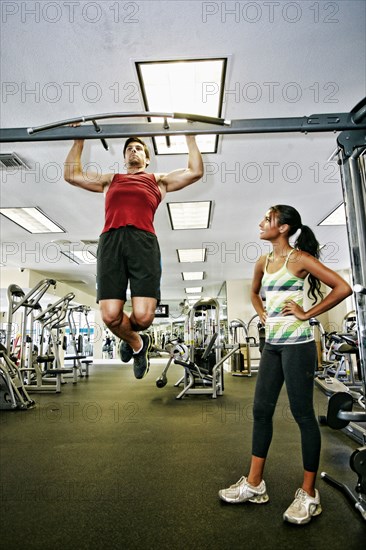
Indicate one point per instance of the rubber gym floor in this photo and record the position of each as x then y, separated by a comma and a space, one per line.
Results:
117, 463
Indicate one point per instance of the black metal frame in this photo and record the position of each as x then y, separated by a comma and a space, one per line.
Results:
195, 125
352, 156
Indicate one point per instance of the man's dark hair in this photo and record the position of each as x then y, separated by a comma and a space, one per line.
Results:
138, 140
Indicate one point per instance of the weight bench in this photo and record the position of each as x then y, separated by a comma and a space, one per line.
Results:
77, 366
85, 366
57, 373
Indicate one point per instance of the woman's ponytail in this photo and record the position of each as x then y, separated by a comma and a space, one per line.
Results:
306, 241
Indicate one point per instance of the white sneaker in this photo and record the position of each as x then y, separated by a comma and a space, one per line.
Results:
242, 491
303, 508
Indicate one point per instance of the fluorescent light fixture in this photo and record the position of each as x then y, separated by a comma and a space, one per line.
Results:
193, 275
81, 256
193, 290
190, 215
191, 254
336, 217
193, 299
70, 256
194, 86
32, 219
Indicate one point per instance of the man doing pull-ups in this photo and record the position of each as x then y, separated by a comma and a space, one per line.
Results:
128, 250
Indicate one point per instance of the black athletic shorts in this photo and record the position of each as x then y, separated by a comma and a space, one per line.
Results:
128, 255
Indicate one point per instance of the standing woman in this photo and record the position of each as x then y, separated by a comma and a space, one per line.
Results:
289, 354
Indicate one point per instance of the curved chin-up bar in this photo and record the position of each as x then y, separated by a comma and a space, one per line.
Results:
146, 114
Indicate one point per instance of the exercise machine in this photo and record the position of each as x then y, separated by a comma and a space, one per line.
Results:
27, 359
20, 302
358, 465
201, 373
51, 321
240, 364
339, 416
337, 380
13, 394
201, 358
339, 360
176, 349
351, 158
80, 361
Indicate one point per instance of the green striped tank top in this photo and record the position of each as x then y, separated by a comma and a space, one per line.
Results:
280, 287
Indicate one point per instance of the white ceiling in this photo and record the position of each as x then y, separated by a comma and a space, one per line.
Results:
300, 58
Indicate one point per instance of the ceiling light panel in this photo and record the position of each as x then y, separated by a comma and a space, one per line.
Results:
194, 86
193, 299
192, 275
190, 215
32, 219
80, 256
193, 290
85, 256
191, 254
177, 144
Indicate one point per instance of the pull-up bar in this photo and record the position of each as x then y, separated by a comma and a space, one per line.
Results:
94, 118
193, 125
146, 114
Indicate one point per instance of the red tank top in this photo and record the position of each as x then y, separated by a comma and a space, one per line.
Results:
132, 199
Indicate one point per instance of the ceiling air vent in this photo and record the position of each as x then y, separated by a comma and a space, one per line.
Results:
8, 161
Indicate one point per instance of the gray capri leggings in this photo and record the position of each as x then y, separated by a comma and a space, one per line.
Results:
295, 365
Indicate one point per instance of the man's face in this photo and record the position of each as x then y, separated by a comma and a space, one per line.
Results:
135, 155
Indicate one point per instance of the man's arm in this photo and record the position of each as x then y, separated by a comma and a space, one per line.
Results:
181, 178
73, 172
